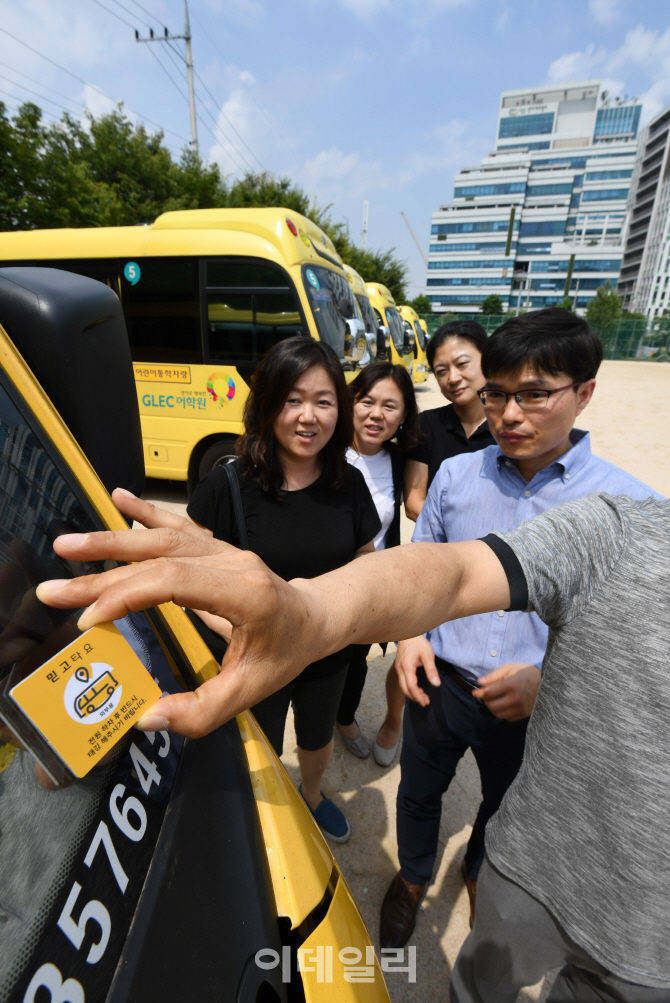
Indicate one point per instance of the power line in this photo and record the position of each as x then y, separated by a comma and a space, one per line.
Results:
114, 14
142, 118
223, 139
223, 114
131, 12
157, 20
38, 82
247, 89
31, 91
169, 52
16, 109
173, 82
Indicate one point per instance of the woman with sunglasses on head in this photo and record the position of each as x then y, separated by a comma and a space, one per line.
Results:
306, 511
386, 423
454, 355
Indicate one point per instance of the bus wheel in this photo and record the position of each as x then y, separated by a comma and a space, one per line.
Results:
217, 455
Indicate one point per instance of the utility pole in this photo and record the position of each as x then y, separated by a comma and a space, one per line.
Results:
364, 233
186, 37
416, 239
189, 73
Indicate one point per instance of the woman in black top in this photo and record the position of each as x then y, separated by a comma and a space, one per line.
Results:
306, 512
454, 354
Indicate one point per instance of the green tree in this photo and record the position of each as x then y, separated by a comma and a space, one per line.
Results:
422, 304
566, 303
114, 173
492, 305
605, 307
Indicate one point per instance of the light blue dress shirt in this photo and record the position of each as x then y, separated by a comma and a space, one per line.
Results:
476, 493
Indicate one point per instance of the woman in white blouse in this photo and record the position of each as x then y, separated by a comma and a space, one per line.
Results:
386, 424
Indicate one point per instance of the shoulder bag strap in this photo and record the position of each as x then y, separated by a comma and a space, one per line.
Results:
231, 473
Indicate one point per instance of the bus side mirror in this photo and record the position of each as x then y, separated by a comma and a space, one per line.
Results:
71, 332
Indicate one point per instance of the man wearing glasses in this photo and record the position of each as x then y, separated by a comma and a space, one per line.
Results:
484, 670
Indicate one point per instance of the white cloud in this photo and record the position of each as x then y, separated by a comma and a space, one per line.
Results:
605, 11
367, 10
643, 52
334, 175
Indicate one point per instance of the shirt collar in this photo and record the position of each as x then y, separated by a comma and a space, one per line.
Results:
571, 462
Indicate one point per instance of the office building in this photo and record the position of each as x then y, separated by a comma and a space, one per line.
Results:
643, 282
545, 211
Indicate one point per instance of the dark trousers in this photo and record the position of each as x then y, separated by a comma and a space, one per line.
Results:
434, 740
354, 683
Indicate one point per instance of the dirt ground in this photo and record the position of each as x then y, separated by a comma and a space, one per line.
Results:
629, 419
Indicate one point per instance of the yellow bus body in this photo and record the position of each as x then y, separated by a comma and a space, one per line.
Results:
412, 318
190, 402
384, 305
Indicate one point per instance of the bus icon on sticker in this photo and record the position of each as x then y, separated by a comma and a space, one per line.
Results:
89, 701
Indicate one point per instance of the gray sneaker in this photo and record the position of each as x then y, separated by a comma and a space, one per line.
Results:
384, 757
357, 746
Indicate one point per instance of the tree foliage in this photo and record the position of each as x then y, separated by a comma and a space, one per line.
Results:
110, 172
422, 304
605, 307
492, 305
566, 303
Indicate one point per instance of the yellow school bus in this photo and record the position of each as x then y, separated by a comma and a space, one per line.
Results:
401, 341
412, 320
205, 293
212, 872
379, 339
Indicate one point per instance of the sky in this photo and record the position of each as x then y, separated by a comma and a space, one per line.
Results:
384, 100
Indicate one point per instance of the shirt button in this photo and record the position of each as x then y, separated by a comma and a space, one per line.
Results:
508, 463
567, 477
493, 652
501, 612
527, 494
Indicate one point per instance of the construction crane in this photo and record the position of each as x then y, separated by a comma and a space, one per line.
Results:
416, 239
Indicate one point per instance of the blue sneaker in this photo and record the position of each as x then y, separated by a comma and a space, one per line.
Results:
330, 820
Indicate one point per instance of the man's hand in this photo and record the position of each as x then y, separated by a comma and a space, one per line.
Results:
510, 691
412, 654
278, 627
272, 640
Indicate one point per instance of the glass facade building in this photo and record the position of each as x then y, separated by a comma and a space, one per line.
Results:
547, 208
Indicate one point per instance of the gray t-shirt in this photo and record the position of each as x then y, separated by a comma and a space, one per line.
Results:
585, 826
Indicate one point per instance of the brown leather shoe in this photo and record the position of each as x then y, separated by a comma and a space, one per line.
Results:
472, 892
399, 910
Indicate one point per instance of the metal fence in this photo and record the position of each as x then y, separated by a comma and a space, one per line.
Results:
623, 339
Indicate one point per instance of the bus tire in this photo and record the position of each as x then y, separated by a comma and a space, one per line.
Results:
219, 453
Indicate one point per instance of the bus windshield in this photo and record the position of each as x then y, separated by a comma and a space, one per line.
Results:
420, 334
368, 314
394, 322
326, 289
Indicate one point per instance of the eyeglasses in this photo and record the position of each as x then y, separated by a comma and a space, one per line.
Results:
528, 400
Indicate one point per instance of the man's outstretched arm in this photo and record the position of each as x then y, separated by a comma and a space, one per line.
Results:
278, 627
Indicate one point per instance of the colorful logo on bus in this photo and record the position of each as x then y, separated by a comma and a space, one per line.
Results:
221, 388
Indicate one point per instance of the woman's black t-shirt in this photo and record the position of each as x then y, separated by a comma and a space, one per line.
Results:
301, 534
443, 436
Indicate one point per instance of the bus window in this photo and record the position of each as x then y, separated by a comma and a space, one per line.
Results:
250, 307
368, 314
161, 302
46, 833
326, 290
420, 334
396, 327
